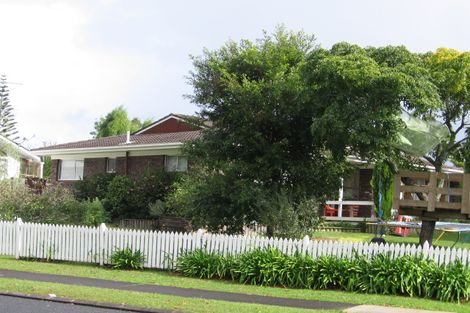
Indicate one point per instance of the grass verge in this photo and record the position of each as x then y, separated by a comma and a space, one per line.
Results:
447, 240
169, 279
138, 299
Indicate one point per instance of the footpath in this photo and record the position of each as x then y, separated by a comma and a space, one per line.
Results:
199, 293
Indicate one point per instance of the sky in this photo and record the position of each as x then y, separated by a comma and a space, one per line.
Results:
70, 62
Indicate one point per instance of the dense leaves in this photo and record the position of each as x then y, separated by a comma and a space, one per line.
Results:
286, 115
7, 119
117, 122
124, 197
380, 274
126, 259
54, 205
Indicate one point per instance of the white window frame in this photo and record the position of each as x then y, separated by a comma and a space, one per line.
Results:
112, 171
179, 159
78, 174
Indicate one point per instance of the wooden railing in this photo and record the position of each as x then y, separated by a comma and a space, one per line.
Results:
432, 192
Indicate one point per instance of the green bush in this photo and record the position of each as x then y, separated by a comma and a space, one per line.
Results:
118, 197
205, 265
123, 197
127, 259
92, 187
94, 213
55, 205
380, 274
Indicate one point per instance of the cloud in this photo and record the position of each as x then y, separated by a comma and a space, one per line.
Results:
65, 83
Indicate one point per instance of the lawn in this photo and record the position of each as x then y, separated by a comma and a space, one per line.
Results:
169, 279
447, 240
139, 299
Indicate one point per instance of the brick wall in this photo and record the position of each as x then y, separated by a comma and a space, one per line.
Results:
134, 166
172, 125
138, 165
94, 166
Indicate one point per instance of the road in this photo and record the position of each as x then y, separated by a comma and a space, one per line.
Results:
20, 305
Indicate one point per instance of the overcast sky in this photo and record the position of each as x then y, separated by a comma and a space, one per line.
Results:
70, 62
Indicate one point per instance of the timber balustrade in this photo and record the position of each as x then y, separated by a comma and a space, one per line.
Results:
426, 193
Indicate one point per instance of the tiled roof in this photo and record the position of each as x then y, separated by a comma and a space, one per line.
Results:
116, 141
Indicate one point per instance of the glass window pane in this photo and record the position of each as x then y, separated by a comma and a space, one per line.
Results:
78, 169
111, 165
182, 164
171, 163
67, 169
71, 169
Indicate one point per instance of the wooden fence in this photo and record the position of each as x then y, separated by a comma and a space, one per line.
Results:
161, 249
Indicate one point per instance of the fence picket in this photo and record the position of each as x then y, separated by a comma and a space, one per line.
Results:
162, 249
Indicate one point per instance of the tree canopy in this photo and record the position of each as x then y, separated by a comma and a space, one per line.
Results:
117, 122
286, 116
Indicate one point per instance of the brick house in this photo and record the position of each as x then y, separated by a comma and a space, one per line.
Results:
156, 146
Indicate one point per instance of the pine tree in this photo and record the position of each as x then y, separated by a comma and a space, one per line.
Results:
7, 119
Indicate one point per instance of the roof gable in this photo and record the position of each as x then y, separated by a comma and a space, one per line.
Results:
172, 123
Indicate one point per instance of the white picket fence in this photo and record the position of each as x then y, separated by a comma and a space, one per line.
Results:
161, 249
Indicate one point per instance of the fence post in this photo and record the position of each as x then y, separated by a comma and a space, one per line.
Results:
199, 234
101, 248
305, 243
19, 237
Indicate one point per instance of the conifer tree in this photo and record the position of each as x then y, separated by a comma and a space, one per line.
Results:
7, 119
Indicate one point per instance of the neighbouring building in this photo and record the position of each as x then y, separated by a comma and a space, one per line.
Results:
17, 161
157, 146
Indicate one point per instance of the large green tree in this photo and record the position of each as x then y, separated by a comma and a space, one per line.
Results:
7, 119
117, 122
286, 115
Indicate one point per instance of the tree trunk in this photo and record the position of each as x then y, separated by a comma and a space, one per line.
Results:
427, 231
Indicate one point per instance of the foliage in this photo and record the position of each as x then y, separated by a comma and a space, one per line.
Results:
201, 264
152, 186
380, 274
382, 189
7, 119
55, 205
127, 259
118, 200
94, 186
47, 167
286, 116
94, 212
124, 197
117, 122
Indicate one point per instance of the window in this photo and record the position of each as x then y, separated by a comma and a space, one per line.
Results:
111, 165
71, 170
176, 163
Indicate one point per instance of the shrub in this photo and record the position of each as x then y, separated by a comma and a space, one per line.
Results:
205, 265
94, 213
118, 197
127, 259
56, 204
92, 187
380, 274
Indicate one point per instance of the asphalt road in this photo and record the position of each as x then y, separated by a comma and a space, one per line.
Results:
19, 305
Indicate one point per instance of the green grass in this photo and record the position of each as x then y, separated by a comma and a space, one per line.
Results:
139, 299
169, 279
447, 240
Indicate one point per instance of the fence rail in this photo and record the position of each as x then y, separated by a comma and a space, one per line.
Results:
161, 249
